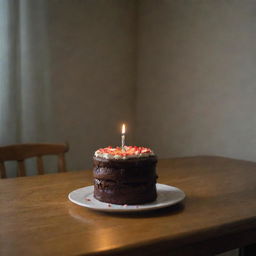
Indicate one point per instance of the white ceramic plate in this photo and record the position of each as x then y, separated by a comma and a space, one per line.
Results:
166, 196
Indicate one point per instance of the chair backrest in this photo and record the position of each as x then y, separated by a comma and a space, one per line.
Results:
20, 152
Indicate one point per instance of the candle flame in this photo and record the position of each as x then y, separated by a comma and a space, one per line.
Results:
123, 129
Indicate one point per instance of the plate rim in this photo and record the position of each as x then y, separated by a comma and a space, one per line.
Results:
125, 209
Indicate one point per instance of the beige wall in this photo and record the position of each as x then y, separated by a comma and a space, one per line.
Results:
92, 55
196, 82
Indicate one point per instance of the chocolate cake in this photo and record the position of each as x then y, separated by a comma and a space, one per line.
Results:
125, 177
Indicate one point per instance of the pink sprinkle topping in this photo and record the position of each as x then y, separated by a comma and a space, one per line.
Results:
129, 150
125, 205
87, 199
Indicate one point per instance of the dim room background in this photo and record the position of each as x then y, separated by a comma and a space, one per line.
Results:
180, 74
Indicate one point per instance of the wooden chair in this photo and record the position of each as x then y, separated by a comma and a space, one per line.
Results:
20, 152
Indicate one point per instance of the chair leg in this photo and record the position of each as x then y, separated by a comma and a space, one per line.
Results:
249, 250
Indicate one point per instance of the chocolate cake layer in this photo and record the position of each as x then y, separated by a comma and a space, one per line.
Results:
129, 181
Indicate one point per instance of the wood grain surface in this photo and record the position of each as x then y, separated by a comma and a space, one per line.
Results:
218, 214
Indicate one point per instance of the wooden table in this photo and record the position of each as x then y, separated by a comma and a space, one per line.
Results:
219, 214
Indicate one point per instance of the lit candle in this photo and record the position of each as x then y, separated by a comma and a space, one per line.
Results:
123, 136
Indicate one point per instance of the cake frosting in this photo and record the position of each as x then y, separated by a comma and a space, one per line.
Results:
126, 153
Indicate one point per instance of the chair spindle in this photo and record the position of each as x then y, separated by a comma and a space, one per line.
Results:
61, 163
40, 165
2, 170
21, 168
